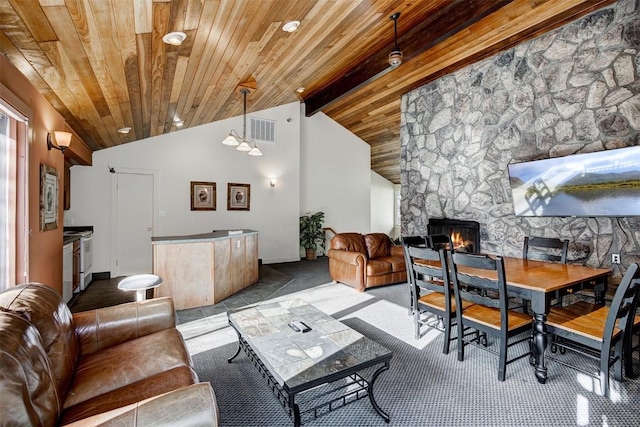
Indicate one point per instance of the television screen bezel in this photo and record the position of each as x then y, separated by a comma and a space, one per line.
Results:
573, 157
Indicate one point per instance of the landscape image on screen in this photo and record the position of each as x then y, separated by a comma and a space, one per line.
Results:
604, 183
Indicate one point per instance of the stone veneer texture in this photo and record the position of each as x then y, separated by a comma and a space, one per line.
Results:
573, 90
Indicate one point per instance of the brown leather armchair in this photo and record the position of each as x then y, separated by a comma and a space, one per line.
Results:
125, 365
365, 261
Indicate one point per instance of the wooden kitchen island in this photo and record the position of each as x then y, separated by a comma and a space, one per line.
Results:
203, 269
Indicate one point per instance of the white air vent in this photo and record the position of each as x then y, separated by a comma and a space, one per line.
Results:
263, 130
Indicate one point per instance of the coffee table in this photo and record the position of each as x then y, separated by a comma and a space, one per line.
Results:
311, 373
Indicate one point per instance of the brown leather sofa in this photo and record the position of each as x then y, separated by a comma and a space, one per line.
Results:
365, 261
125, 365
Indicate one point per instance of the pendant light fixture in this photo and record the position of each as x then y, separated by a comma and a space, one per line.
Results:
242, 143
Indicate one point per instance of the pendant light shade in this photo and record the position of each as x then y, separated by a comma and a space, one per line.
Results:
231, 140
241, 143
255, 151
244, 146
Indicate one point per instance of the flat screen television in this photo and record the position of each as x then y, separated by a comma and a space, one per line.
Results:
604, 183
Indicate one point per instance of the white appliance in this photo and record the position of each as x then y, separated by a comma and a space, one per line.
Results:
67, 272
86, 258
86, 253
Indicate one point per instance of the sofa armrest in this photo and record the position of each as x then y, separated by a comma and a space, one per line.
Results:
105, 327
352, 258
188, 406
348, 267
397, 251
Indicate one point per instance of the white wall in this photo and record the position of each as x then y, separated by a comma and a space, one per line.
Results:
382, 205
196, 154
335, 176
318, 163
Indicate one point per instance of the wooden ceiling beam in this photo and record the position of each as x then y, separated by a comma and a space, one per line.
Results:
428, 33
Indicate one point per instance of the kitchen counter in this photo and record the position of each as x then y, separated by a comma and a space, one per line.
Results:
69, 239
203, 269
214, 235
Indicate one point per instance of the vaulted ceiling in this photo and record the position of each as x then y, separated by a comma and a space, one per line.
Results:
103, 65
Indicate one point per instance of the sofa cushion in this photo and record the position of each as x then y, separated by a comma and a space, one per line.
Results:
50, 315
397, 264
28, 394
188, 406
376, 267
351, 242
126, 363
378, 245
154, 385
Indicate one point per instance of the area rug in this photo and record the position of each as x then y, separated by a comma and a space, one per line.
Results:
423, 386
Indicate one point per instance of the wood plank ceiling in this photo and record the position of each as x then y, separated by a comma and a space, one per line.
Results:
103, 65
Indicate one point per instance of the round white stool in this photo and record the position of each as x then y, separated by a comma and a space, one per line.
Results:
140, 283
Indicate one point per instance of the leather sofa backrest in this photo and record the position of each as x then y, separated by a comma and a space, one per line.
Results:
45, 309
28, 394
351, 242
378, 245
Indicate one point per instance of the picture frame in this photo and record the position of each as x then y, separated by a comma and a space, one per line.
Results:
48, 198
203, 196
238, 197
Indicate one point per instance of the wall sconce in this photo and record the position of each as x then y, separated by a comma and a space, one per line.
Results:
63, 140
273, 182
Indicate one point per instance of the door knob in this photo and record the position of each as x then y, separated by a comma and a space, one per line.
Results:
148, 228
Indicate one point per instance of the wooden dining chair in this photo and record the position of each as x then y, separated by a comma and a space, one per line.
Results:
603, 333
543, 248
440, 241
489, 313
411, 241
432, 292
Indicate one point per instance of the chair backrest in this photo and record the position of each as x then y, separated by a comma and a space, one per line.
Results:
428, 269
467, 285
411, 241
440, 241
560, 246
622, 310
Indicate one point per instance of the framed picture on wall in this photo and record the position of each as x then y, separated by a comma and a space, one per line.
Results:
203, 196
238, 197
48, 198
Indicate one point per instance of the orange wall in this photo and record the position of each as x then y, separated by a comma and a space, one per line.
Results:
45, 247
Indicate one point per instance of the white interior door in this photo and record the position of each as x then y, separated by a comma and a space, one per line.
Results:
134, 223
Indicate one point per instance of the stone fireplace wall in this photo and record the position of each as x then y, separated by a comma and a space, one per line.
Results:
573, 90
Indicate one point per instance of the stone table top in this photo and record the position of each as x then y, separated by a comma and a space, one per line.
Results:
298, 359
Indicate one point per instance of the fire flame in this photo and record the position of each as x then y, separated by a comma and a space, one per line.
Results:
456, 240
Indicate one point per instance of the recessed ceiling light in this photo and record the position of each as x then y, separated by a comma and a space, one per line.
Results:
179, 123
176, 38
300, 90
290, 26
125, 130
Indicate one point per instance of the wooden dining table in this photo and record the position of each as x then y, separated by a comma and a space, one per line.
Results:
540, 282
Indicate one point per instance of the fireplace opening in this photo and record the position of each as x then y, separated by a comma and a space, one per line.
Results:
465, 235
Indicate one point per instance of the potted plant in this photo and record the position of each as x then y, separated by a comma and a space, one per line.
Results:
311, 233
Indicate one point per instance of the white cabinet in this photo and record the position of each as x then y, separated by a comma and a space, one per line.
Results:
67, 272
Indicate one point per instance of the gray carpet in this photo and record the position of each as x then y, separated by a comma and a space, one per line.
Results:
423, 386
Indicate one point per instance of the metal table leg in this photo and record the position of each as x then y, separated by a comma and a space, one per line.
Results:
372, 398
297, 421
229, 360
